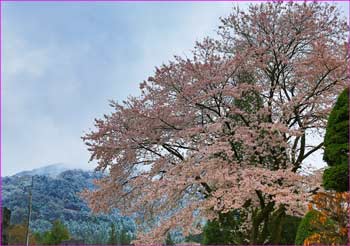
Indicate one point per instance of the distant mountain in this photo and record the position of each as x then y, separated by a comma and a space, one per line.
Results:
51, 170
56, 196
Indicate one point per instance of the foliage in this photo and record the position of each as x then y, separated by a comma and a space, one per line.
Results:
306, 227
333, 207
198, 238
189, 148
112, 236
336, 143
328, 224
58, 233
46, 203
213, 233
125, 237
169, 240
98, 231
336, 178
55, 236
5, 224
223, 230
336, 140
53, 198
57, 197
267, 223
227, 229
289, 229
17, 234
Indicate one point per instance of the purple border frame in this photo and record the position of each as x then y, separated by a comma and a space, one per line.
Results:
167, 1
128, 1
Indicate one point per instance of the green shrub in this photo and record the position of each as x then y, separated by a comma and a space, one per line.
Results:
306, 228
336, 178
289, 229
55, 236
310, 225
223, 230
213, 233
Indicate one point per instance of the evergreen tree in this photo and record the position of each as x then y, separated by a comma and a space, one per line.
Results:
336, 140
336, 144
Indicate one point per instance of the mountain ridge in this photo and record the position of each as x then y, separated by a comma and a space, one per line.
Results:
52, 170
56, 196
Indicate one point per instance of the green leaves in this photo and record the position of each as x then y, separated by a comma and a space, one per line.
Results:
55, 236
224, 230
306, 227
310, 225
272, 226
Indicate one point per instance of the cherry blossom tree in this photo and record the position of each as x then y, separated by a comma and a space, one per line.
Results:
229, 125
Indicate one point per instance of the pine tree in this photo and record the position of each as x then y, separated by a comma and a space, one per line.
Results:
336, 144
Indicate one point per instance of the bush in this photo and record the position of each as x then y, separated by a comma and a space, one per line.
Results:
55, 236
306, 228
17, 235
223, 230
336, 178
309, 226
289, 229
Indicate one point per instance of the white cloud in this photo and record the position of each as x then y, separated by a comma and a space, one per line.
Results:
20, 59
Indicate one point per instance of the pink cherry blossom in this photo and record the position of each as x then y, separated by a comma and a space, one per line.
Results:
232, 120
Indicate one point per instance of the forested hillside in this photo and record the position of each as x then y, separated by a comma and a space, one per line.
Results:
56, 197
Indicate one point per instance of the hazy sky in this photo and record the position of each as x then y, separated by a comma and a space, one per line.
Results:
62, 62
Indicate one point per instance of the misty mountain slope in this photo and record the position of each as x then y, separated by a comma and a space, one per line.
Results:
51, 170
56, 196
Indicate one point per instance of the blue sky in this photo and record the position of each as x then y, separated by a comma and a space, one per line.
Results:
62, 62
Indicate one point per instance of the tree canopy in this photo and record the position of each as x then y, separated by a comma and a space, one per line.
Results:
229, 124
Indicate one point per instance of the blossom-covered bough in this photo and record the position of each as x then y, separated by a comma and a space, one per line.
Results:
229, 125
